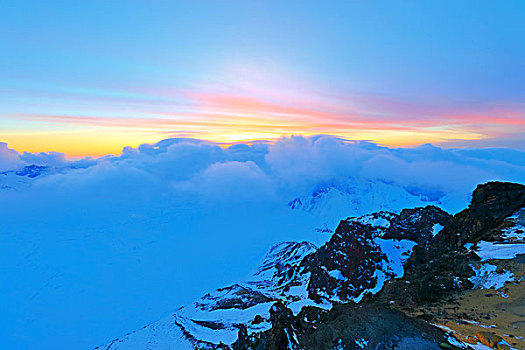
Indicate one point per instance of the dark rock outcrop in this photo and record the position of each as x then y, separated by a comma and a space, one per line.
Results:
443, 267
418, 224
347, 265
352, 254
439, 266
369, 325
491, 204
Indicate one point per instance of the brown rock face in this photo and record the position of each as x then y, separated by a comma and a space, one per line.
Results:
491, 203
417, 224
488, 339
350, 251
347, 264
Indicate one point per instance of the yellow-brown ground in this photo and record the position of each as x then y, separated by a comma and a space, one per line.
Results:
484, 313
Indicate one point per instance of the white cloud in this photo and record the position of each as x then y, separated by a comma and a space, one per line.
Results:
9, 158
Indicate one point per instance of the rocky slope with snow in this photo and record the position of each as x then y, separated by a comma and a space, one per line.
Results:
362, 288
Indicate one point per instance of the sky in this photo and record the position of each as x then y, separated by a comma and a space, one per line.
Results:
91, 236
90, 77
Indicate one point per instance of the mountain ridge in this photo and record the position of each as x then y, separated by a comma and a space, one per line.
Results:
380, 263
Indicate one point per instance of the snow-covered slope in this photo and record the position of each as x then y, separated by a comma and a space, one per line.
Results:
297, 274
215, 317
64, 228
511, 244
358, 196
366, 255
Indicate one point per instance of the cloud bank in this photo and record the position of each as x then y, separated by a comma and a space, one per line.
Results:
117, 242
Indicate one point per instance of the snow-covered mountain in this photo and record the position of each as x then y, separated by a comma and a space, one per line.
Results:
291, 273
22, 178
358, 196
63, 227
357, 263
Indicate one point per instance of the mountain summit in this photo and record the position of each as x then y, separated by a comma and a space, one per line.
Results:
420, 279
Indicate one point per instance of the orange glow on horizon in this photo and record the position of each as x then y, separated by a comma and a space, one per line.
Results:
228, 119
104, 142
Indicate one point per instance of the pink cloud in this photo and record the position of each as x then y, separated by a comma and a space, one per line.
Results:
235, 113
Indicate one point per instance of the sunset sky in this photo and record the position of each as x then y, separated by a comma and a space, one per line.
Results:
88, 78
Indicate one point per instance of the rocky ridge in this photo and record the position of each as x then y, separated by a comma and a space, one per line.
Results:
358, 289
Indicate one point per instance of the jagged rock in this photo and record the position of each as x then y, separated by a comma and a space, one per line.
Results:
369, 325
488, 339
233, 297
491, 204
419, 224
354, 258
430, 275
242, 339
443, 268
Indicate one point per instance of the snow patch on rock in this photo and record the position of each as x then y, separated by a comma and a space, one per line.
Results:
436, 228
495, 250
487, 277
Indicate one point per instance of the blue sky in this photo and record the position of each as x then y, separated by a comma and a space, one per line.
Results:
397, 73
